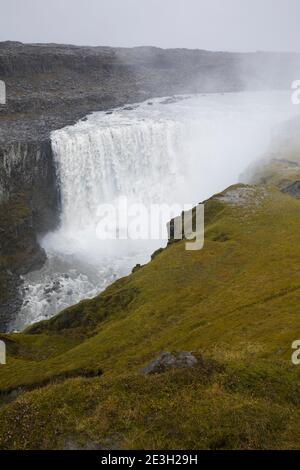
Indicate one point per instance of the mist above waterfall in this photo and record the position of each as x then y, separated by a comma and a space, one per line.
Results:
167, 151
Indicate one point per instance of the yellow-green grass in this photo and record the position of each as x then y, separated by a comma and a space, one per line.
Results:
235, 303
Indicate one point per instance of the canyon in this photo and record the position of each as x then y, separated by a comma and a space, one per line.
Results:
51, 86
192, 349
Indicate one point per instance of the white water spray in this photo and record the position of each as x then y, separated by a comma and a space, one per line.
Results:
180, 152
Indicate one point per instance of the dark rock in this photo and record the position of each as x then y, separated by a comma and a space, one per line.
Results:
168, 361
136, 268
19, 254
293, 189
156, 253
54, 287
29, 168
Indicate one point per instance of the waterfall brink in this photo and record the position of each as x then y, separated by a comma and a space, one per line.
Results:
96, 164
174, 151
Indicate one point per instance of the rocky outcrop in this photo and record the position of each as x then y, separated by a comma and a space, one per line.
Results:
168, 361
19, 252
28, 205
29, 167
293, 189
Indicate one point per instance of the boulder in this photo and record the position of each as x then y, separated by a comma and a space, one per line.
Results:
168, 361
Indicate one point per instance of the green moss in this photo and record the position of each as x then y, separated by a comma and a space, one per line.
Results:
235, 303
179, 409
84, 317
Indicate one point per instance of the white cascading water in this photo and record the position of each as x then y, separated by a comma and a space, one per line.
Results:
163, 151
97, 163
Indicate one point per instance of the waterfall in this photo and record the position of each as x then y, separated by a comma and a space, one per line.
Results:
163, 151
96, 164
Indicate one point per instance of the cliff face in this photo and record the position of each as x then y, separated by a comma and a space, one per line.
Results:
50, 86
28, 205
19, 252
29, 167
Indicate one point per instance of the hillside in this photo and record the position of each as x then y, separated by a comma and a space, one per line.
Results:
76, 382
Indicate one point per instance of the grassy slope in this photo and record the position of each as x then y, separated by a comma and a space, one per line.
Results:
234, 304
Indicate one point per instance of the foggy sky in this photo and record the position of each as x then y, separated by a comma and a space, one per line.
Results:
244, 25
